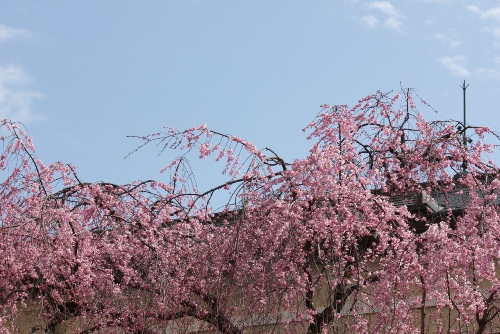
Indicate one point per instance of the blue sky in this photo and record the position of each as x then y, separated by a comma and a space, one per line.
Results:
83, 75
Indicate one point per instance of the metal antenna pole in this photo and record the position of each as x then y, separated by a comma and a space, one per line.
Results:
464, 88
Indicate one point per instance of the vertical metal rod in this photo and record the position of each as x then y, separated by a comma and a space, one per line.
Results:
464, 87
407, 103
464, 164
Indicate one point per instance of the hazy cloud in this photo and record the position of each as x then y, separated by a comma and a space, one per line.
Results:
7, 33
488, 73
456, 43
434, 1
15, 98
369, 21
393, 23
451, 40
495, 31
430, 21
456, 65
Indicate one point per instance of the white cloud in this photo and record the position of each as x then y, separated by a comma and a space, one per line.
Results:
490, 14
15, 99
473, 8
7, 33
385, 7
493, 13
370, 21
393, 16
456, 65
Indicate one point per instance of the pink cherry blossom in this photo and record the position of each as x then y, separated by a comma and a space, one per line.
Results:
390, 220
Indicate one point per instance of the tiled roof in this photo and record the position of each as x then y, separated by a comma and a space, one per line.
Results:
436, 201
